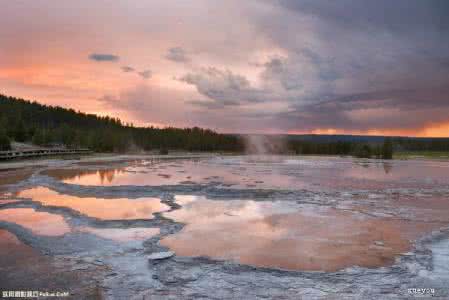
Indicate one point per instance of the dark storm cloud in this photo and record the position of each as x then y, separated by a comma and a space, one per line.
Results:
103, 57
214, 105
277, 69
350, 64
380, 110
177, 54
397, 16
399, 84
283, 79
223, 87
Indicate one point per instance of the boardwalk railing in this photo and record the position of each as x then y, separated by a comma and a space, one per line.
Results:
4, 155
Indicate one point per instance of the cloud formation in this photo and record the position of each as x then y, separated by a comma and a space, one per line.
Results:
298, 78
101, 57
368, 67
177, 54
380, 110
127, 69
145, 74
284, 66
223, 87
147, 104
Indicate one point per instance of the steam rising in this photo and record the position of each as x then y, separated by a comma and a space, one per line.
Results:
265, 144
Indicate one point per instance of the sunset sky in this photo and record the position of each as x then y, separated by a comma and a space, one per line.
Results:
252, 66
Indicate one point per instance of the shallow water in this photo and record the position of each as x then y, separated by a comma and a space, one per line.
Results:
287, 236
41, 223
49, 224
100, 208
273, 172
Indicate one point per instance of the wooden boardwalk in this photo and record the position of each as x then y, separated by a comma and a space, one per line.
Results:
5, 155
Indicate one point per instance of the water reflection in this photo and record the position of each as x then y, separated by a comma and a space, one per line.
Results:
41, 223
105, 209
316, 173
282, 235
12, 176
388, 167
102, 176
8, 201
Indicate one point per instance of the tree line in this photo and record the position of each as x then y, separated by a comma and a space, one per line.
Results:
382, 150
43, 125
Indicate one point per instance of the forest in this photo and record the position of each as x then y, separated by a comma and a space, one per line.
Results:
53, 126
383, 150
43, 125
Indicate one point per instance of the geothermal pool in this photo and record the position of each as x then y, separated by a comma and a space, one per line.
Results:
266, 172
260, 224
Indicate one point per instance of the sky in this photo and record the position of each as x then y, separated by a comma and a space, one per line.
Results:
255, 66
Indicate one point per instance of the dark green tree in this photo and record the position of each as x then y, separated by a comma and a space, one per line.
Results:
5, 143
39, 137
363, 151
68, 135
20, 132
387, 149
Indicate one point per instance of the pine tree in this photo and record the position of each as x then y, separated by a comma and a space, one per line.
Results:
5, 143
387, 149
38, 137
20, 132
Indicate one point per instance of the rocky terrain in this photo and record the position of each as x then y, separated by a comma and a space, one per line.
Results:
376, 236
